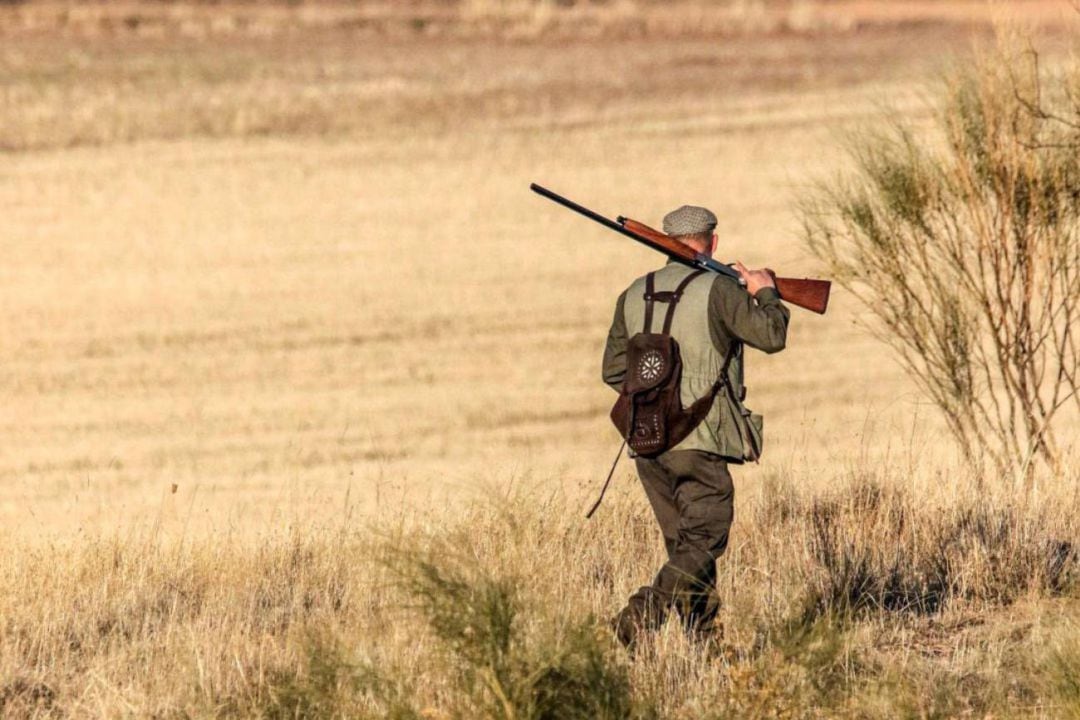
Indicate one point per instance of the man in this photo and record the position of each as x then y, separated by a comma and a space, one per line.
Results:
689, 486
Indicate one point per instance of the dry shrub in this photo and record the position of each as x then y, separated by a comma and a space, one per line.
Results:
328, 682
566, 670
964, 243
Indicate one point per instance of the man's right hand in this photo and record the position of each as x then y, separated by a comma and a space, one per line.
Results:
755, 279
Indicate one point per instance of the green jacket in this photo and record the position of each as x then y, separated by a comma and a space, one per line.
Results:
714, 312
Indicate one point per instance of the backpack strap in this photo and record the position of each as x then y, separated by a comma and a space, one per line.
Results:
672, 298
733, 349
675, 297
650, 288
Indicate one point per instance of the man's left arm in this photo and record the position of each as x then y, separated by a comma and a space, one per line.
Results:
614, 365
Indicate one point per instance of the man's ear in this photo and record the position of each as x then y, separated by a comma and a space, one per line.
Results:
712, 249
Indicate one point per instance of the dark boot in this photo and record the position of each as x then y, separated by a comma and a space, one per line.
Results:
644, 613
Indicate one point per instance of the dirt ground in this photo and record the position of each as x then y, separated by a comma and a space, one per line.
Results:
247, 280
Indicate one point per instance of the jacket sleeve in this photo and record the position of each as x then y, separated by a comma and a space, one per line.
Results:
614, 365
760, 321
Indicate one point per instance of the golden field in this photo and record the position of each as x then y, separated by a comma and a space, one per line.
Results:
277, 300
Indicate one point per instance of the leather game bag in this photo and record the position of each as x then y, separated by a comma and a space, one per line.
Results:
649, 413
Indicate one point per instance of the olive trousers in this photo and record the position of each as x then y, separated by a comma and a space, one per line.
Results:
692, 496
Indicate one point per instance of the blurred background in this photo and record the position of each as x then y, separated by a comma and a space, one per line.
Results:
267, 261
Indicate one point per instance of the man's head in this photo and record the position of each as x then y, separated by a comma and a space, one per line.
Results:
692, 226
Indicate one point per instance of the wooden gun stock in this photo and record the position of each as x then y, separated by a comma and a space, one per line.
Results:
806, 293
662, 239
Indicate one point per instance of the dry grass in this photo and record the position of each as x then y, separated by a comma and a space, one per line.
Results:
874, 596
258, 318
106, 91
282, 321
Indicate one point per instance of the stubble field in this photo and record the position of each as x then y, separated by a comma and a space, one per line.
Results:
277, 309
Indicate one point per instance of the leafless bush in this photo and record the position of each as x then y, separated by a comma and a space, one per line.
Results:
964, 243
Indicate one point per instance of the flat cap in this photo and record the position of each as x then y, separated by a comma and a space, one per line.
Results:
688, 220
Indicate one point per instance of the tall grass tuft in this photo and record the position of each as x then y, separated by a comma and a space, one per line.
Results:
875, 551
564, 671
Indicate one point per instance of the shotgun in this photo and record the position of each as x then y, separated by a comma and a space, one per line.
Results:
806, 293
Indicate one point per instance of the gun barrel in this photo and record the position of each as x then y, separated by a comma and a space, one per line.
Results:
689, 257
582, 210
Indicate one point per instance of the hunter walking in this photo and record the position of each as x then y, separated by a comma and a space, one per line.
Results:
695, 437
